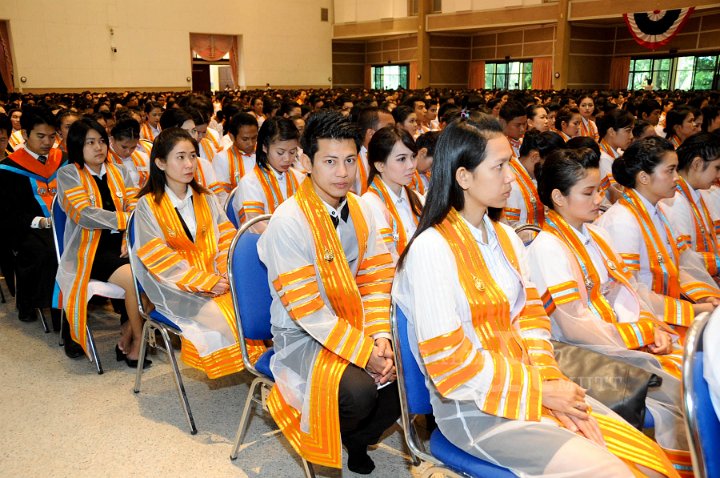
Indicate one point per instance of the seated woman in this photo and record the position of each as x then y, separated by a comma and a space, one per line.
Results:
182, 238
537, 118
124, 138
523, 205
395, 207
588, 128
567, 123
273, 178
481, 336
606, 315
680, 123
406, 118
97, 197
642, 235
616, 130
188, 119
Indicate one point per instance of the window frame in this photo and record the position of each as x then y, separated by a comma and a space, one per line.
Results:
525, 69
675, 71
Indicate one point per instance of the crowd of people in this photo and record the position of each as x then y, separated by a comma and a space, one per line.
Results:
409, 197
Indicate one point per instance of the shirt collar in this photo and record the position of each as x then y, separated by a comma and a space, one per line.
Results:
100, 174
693, 192
32, 153
394, 197
648, 205
335, 212
177, 202
492, 240
583, 234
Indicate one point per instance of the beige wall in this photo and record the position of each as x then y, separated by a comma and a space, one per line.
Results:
347, 11
60, 44
452, 6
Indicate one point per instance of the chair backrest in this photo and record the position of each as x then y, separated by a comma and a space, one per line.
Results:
701, 421
58, 225
249, 286
230, 210
410, 377
527, 232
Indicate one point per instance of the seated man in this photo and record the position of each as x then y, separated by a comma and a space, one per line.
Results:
331, 276
27, 189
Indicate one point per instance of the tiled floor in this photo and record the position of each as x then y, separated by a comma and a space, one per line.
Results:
59, 418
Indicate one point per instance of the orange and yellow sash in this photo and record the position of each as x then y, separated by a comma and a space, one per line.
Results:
322, 443
362, 174
534, 207
137, 160
417, 183
74, 202
271, 188
608, 180
675, 141
146, 132
237, 166
589, 129
705, 239
398, 230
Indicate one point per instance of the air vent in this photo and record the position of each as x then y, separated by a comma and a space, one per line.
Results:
324, 14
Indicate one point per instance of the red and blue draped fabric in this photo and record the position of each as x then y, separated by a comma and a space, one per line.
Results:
655, 29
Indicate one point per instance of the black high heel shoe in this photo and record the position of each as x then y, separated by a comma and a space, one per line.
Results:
120, 356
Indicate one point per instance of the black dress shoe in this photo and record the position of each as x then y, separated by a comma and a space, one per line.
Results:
360, 462
27, 315
120, 356
73, 349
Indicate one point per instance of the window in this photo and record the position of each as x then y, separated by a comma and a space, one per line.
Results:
510, 75
683, 72
390, 77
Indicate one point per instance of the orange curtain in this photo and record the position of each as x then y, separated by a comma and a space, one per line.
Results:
6, 64
542, 74
619, 72
476, 75
214, 47
234, 66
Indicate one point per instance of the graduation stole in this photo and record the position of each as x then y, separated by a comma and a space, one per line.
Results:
588, 128
16, 138
534, 207
42, 177
322, 444
207, 147
417, 183
705, 238
199, 253
398, 230
663, 263
556, 225
566, 137
489, 306
271, 187
137, 160
362, 171
675, 141
76, 199
146, 132
608, 180
146, 146
237, 166
215, 143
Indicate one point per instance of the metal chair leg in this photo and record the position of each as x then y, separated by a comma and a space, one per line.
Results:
40, 314
178, 381
308, 469
93, 350
244, 418
147, 326
61, 341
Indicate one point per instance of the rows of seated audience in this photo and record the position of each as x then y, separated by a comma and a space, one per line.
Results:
380, 197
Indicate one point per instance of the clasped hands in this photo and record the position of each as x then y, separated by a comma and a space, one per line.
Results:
381, 364
566, 401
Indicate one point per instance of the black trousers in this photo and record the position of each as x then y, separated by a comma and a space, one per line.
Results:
35, 269
365, 411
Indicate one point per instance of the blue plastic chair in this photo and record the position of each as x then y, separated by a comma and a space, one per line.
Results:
251, 300
415, 400
701, 421
154, 320
230, 210
111, 291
